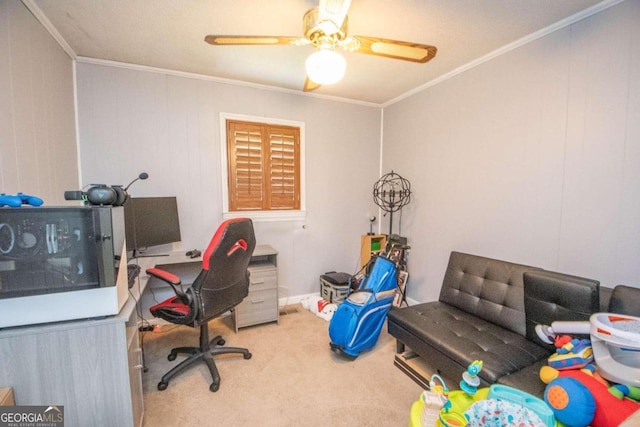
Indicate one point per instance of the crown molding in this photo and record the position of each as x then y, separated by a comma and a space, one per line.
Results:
42, 18
117, 64
597, 8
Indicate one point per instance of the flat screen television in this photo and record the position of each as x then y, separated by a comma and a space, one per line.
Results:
151, 221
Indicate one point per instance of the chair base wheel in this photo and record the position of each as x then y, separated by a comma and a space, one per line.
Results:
172, 356
162, 386
214, 387
247, 356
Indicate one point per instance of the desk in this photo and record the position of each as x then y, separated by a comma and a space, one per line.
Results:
260, 306
92, 367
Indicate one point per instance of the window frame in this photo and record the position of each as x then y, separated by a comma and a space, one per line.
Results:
261, 215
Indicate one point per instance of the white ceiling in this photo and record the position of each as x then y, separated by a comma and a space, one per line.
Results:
169, 34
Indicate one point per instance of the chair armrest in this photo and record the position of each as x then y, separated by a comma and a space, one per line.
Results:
172, 280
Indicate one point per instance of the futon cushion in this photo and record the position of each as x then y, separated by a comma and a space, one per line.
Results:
440, 329
527, 379
551, 296
624, 300
488, 288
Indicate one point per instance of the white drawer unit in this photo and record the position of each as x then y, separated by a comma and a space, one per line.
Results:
261, 305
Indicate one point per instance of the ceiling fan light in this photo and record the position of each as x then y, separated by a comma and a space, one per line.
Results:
325, 67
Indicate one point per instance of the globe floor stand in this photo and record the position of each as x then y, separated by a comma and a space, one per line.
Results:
391, 193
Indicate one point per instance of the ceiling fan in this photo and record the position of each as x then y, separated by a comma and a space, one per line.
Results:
325, 28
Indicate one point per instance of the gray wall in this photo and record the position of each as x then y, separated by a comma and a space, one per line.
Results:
169, 126
38, 154
532, 157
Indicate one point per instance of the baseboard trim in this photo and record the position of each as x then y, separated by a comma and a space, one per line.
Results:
299, 298
295, 299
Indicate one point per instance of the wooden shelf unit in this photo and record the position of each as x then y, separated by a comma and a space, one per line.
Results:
371, 244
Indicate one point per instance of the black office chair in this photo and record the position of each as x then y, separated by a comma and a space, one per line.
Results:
221, 285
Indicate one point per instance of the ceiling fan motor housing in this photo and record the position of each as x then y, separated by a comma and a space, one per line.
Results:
325, 31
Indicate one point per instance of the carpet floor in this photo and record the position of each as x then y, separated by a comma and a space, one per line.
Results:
292, 379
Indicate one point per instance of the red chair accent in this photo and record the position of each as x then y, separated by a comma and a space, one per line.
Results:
221, 285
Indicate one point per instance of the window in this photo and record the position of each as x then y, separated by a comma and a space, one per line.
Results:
263, 168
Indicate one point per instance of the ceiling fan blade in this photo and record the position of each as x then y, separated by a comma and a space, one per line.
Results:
253, 40
394, 49
310, 85
334, 10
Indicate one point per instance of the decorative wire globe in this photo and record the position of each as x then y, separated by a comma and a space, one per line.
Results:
392, 192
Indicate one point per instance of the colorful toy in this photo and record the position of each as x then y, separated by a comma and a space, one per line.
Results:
498, 412
622, 390
571, 353
526, 400
433, 400
615, 339
497, 405
583, 397
615, 342
470, 380
579, 398
452, 414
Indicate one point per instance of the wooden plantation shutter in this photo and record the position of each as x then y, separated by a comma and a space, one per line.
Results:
284, 170
263, 166
246, 175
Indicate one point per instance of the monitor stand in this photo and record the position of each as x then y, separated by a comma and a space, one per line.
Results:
137, 254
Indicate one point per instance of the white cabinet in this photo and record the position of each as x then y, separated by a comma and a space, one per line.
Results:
261, 305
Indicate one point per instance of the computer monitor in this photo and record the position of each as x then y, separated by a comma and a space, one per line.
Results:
151, 221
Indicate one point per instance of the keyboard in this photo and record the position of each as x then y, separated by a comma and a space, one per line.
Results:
133, 270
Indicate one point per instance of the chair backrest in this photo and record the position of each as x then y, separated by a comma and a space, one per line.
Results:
625, 300
224, 280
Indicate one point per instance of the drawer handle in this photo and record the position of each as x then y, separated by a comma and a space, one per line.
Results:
257, 301
257, 282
